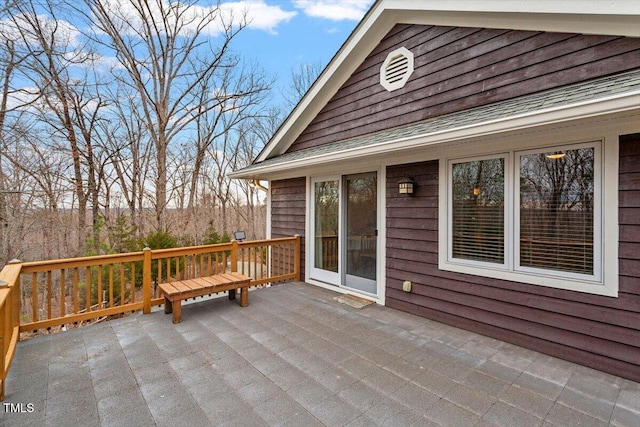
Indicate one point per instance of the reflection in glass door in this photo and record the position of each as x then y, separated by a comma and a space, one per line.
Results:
326, 211
361, 234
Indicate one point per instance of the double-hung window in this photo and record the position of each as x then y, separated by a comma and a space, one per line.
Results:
531, 216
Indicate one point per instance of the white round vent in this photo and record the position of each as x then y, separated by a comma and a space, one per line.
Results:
396, 69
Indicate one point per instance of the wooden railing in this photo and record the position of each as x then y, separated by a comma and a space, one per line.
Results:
47, 294
10, 318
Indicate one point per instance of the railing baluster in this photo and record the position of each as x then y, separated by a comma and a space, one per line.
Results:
75, 291
110, 285
49, 294
122, 291
87, 287
63, 296
133, 282
34, 297
99, 287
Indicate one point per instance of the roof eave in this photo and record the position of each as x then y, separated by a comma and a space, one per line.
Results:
612, 105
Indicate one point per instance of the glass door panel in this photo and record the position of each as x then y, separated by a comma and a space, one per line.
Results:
361, 234
326, 214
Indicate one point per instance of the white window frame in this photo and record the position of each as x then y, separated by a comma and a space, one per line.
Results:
507, 189
604, 280
596, 277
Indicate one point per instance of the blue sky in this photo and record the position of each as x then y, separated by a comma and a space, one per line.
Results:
281, 36
285, 34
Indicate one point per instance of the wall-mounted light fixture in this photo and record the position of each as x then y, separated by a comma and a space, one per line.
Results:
556, 155
406, 185
476, 191
256, 184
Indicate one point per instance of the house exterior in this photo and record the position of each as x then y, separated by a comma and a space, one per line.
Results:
518, 125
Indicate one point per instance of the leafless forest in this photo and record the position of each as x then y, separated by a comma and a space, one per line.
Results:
121, 119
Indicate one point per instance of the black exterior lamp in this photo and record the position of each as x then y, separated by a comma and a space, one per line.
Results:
406, 185
239, 235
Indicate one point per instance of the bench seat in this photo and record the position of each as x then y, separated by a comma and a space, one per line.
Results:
176, 291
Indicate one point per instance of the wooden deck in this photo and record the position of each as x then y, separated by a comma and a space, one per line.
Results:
298, 357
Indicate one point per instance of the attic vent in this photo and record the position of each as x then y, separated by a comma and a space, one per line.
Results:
396, 69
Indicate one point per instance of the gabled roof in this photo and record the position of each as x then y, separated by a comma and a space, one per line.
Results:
611, 17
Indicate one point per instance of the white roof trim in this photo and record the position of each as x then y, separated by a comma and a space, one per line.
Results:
607, 17
614, 104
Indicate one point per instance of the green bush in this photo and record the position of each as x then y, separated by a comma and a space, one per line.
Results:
212, 236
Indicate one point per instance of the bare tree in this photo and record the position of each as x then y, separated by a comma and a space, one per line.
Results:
8, 65
166, 54
258, 131
124, 140
56, 65
12, 127
301, 80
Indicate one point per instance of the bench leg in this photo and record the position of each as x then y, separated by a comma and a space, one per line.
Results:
177, 311
244, 297
232, 294
168, 306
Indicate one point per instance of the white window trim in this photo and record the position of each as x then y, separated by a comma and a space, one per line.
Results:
481, 264
596, 277
605, 278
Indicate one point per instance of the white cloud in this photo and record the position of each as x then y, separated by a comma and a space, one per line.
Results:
63, 32
258, 14
335, 10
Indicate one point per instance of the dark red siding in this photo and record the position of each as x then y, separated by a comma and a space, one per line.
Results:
596, 331
288, 201
461, 68
629, 217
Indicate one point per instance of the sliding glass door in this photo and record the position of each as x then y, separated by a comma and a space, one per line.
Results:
344, 231
361, 231
326, 213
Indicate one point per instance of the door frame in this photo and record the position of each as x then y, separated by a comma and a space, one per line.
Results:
356, 282
326, 276
338, 286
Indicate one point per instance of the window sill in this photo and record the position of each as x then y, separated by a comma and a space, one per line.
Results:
569, 284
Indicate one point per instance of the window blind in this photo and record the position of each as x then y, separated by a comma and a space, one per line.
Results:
478, 210
557, 210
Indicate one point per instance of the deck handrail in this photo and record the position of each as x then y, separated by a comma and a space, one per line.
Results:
10, 319
94, 287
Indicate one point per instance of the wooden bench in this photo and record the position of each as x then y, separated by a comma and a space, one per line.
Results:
175, 292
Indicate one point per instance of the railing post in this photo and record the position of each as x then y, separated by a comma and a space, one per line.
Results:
146, 282
9, 334
15, 308
234, 256
3, 374
296, 266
